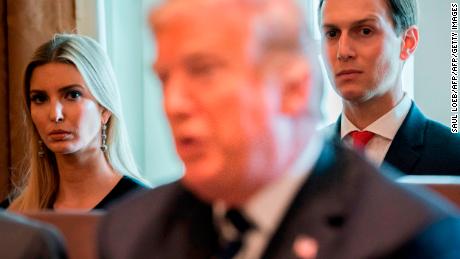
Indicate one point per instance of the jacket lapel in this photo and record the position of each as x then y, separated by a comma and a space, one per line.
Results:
336, 130
404, 150
187, 229
317, 211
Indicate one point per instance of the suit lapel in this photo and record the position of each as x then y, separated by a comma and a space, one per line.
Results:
404, 150
188, 230
336, 133
317, 211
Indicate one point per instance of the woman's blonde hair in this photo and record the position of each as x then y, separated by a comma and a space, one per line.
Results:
41, 180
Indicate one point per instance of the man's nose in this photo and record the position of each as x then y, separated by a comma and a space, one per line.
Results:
177, 97
56, 112
345, 50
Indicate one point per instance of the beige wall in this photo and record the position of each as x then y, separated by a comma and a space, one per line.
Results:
26, 25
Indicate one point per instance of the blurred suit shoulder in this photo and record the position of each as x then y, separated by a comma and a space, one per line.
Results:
23, 239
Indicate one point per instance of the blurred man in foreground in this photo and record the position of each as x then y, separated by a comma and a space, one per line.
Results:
242, 95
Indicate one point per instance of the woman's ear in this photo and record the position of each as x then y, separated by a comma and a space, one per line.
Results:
296, 80
105, 116
409, 42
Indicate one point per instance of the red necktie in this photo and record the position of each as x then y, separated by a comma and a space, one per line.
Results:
361, 138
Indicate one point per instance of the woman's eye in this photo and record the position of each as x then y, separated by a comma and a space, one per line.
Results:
38, 98
73, 94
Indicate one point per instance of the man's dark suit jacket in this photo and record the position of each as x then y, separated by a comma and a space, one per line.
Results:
25, 239
352, 209
421, 146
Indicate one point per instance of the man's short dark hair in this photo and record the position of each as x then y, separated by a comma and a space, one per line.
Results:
403, 13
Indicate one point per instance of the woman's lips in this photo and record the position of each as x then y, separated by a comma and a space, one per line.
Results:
57, 135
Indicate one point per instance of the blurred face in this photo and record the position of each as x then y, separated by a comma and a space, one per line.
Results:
215, 101
65, 114
362, 49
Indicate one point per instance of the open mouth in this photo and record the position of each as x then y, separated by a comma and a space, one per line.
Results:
188, 147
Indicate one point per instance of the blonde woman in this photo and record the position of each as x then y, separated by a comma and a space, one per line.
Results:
79, 152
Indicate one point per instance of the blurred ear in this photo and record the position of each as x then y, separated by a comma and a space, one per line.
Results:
105, 115
296, 80
409, 42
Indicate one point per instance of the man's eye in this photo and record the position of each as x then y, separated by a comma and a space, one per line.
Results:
201, 69
163, 77
331, 34
38, 98
366, 31
73, 94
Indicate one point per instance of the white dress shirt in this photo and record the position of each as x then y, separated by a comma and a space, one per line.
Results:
384, 128
267, 208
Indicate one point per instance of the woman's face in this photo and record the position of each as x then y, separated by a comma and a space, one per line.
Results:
65, 114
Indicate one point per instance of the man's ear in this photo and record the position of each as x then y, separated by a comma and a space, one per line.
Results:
296, 80
105, 116
409, 42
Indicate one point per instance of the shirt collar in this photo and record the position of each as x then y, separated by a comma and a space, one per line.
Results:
386, 126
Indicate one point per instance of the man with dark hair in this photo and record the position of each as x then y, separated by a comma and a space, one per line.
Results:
241, 93
25, 239
403, 13
366, 44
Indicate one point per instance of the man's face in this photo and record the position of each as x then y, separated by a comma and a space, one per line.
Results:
362, 48
214, 99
